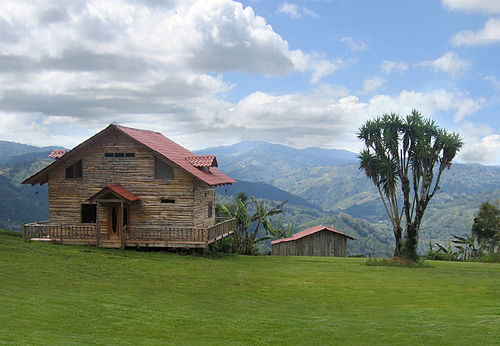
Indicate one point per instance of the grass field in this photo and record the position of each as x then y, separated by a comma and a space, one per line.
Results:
53, 294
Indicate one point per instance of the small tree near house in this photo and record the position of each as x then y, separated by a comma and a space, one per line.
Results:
405, 159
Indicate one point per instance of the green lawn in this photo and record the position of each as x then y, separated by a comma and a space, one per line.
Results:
53, 294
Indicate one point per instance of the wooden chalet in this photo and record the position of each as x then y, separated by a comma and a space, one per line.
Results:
129, 187
315, 241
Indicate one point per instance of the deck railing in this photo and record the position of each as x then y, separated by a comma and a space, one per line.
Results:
221, 230
172, 234
59, 231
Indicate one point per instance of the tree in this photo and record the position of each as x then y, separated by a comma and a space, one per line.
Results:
487, 225
244, 242
410, 153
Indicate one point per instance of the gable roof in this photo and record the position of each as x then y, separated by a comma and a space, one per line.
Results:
154, 141
116, 190
308, 232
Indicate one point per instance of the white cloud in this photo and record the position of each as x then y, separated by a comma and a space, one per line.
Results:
488, 35
495, 82
355, 45
371, 85
428, 103
482, 145
486, 6
449, 63
388, 66
295, 11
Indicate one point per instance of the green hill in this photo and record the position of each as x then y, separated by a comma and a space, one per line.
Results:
54, 294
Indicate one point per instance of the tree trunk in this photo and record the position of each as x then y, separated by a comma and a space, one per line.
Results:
398, 249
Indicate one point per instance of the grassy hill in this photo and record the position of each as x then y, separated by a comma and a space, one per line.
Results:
52, 294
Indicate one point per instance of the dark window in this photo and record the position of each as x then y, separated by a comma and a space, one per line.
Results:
114, 220
167, 200
74, 171
129, 154
163, 171
119, 154
210, 209
89, 213
108, 155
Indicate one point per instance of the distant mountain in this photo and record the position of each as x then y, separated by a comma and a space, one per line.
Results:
336, 185
261, 161
11, 152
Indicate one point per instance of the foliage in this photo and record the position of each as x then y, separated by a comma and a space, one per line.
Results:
486, 226
279, 230
243, 240
410, 153
396, 262
53, 294
11, 233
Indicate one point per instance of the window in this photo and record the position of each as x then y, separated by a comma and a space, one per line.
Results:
163, 171
119, 154
168, 200
89, 213
74, 171
210, 209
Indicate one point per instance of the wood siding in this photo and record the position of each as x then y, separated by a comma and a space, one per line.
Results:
323, 243
136, 174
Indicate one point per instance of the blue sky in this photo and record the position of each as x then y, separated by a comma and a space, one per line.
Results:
208, 73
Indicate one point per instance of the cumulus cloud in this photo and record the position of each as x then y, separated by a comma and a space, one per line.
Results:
388, 66
482, 145
488, 35
91, 62
295, 11
485, 6
449, 63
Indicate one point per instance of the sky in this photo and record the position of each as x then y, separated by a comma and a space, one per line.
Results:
209, 73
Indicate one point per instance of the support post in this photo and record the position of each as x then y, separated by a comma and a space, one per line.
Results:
123, 231
97, 227
61, 231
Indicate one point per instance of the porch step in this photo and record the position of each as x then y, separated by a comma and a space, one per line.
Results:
112, 244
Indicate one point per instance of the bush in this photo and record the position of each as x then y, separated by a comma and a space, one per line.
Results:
490, 258
395, 262
11, 233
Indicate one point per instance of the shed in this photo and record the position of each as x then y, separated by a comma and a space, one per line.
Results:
315, 241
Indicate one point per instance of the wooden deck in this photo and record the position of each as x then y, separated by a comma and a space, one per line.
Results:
166, 237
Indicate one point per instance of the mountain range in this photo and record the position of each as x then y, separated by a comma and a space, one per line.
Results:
322, 186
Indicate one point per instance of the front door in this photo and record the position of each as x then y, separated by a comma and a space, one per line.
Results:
114, 220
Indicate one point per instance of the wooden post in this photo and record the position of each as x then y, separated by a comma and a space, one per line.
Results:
61, 230
97, 227
123, 232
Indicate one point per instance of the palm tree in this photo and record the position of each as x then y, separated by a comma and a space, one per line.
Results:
410, 153
245, 242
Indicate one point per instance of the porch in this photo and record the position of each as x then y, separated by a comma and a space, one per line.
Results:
141, 236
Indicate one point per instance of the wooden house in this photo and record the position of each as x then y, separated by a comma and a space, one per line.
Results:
130, 187
315, 241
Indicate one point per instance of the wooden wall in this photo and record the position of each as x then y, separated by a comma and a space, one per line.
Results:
323, 243
136, 174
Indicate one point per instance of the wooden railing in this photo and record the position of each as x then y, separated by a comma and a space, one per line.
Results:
221, 230
174, 234
58, 231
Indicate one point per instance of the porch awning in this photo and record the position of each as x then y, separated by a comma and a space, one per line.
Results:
112, 192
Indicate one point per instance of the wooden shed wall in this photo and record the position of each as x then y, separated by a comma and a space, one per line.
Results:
323, 243
135, 174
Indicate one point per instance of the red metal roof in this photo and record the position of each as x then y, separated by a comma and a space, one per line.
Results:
203, 161
175, 153
156, 142
117, 190
307, 232
57, 153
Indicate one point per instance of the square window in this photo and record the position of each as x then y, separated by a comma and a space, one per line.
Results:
89, 213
